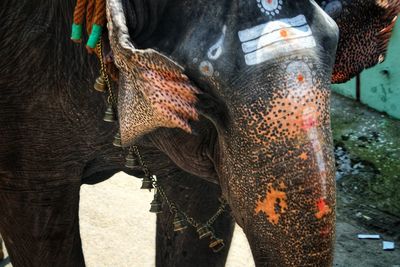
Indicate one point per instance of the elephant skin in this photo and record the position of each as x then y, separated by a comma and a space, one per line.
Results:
214, 108
1, 249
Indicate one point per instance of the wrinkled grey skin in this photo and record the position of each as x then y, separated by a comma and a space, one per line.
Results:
53, 139
1, 249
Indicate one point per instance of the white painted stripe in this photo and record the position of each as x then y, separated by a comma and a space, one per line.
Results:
215, 51
278, 49
271, 26
265, 40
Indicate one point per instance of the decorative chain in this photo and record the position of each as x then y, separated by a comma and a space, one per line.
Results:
171, 205
213, 218
111, 99
141, 162
220, 210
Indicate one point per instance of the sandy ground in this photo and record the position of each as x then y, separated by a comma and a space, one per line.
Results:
118, 230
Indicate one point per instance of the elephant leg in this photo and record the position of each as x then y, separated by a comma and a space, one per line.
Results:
1, 249
39, 222
199, 199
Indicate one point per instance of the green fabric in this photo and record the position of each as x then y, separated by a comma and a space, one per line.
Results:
94, 36
76, 32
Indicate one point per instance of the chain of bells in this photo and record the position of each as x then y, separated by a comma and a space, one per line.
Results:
181, 220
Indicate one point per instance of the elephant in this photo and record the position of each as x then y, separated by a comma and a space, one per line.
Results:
1, 249
222, 98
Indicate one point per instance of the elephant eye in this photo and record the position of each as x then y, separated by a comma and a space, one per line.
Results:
333, 8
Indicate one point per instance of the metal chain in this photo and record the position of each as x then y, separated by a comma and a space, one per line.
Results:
104, 73
220, 210
191, 220
171, 205
141, 162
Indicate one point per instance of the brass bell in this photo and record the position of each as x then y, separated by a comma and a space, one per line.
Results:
216, 244
117, 140
156, 204
130, 160
109, 115
179, 223
100, 85
204, 231
147, 183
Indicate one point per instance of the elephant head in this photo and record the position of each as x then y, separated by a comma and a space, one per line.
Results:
238, 92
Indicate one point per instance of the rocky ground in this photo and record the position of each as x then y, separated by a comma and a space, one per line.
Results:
118, 230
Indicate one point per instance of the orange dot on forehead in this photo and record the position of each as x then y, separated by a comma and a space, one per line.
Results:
300, 77
269, 1
283, 33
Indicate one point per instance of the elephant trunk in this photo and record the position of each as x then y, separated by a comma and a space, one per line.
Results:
279, 170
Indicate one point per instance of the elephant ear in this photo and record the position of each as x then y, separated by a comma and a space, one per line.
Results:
153, 91
365, 29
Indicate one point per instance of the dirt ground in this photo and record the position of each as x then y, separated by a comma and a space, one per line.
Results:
118, 230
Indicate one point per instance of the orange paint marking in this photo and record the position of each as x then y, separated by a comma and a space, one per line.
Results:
300, 78
274, 204
283, 33
303, 156
269, 1
309, 122
323, 209
205, 69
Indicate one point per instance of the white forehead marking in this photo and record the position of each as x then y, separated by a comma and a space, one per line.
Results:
300, 78
276, 38
310, 126
270, 7
269, 27
206, 68
215, 51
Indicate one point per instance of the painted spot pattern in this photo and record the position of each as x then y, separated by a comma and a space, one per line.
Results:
294, 112
365, 30
153, 90
274, 203
285, 137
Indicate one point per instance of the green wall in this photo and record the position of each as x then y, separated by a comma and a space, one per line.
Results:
380, 85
